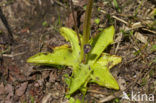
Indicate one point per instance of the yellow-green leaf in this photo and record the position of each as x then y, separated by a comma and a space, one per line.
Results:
71, 36
60, 56
100, 42
72, 100
107, 60
103, 77
79, 78
101, 74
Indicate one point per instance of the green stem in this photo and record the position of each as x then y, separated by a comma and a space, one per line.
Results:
86, 28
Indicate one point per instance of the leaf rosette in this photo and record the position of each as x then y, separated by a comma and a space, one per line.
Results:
97, 66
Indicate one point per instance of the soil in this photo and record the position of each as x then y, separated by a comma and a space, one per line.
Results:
35, 27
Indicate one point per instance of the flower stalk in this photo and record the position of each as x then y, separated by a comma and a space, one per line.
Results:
86, 29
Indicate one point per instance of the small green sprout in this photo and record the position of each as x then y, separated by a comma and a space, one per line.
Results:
154, 60
115, 4
153, 48
45, 24
97, 20
144, 82
85, 56
99, 9
116, 100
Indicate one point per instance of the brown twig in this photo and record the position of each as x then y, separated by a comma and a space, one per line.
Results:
154, 32
59, 3
97, 92
121, 20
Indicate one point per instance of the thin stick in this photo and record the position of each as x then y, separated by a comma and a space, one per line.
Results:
121, 20
59, 3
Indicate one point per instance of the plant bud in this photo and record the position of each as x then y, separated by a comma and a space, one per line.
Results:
87, 48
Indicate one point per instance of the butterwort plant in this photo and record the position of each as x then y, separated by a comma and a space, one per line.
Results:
84, 55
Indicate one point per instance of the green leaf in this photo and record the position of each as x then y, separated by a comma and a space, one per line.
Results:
97, 20
67, 79
153, 48
83, 88
60, 56
72, 100
103, 77
71, 36
79, 78
45, 23
100, 42
108, 60
115, 3
101, 74
154, 60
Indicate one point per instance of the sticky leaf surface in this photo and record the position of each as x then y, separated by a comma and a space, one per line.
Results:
100, 42
61, 56
103, 77
101, 74
79, 78
71, 36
